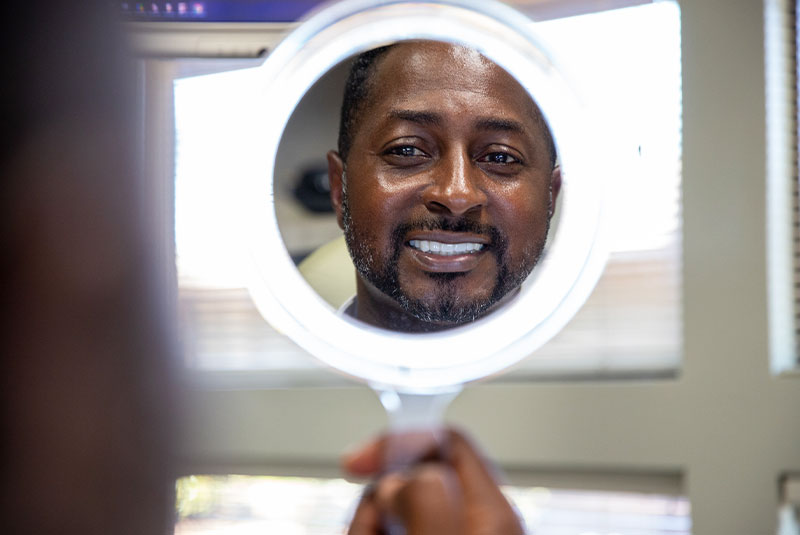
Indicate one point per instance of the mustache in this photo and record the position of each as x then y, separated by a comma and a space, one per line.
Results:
450, 225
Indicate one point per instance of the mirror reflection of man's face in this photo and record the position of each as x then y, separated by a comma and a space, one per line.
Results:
448, 189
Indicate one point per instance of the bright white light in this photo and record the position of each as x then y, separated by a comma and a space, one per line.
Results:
637, 99
207, 174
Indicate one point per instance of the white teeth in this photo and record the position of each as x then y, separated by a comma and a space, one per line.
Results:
445, 249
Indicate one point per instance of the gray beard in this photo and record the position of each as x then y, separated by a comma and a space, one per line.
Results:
449, 308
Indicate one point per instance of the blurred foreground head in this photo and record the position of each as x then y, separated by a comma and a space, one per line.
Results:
83, 335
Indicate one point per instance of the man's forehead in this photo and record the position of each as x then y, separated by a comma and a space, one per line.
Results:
457, 56
437, 60
412, 68
412, 72
426, 76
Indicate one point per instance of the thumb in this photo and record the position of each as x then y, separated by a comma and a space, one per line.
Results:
394, 451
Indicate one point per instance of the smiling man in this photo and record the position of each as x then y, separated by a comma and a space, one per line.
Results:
444, 182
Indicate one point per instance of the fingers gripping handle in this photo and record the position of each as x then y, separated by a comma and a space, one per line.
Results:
418, 413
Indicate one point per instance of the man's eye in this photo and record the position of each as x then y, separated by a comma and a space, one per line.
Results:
405, 150
499, 158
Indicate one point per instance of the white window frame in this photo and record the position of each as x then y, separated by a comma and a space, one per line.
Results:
724, 431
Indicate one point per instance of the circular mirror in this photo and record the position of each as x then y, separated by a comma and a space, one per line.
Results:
566, 272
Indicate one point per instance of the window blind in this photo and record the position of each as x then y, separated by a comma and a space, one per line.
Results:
792, 42
783, 204
250, 505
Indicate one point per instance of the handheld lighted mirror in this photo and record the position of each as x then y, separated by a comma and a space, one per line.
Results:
574, 256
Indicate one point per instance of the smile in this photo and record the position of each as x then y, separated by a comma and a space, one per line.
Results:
445, 249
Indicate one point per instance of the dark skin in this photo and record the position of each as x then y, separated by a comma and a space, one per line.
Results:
445, 135
450, 491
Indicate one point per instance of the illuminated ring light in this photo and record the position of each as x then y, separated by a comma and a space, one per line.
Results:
569, 269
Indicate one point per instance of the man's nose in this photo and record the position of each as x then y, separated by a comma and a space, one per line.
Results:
455, 187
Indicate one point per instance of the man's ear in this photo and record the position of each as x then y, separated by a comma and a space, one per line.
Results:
336, 178
555, 189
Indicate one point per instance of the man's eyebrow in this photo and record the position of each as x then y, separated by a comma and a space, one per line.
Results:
425, 118
500, 125
428, 118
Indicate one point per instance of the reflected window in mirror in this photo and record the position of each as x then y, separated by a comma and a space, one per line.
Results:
630, 326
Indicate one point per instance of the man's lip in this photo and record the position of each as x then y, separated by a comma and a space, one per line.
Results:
436, 263
453, 263
447, 237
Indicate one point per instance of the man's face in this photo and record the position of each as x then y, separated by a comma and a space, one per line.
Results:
449, 188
